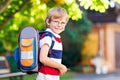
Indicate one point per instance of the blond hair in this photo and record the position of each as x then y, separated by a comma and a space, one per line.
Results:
57, 13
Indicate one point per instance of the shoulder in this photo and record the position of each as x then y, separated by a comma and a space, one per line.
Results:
45, 34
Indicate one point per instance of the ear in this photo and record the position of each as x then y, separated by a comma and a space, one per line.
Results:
47, 22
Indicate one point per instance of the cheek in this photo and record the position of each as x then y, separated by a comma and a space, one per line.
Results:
63, 28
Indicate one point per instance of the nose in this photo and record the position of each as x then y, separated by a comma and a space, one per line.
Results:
59, 24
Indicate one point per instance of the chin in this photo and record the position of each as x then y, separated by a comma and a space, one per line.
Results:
58, 32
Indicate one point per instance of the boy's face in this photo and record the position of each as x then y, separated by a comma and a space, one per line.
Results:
57, 25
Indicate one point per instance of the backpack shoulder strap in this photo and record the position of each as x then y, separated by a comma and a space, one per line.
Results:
52, 36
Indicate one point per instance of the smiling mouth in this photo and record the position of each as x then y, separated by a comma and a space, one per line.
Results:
56, 28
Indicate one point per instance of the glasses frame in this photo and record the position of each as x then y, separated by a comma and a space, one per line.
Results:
58, 22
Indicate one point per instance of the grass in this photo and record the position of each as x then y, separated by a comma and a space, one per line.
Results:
67, 76
26, 77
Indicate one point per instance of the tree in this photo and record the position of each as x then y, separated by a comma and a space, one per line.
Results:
73, 39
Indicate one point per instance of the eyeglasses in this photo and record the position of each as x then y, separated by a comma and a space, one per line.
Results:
57, 23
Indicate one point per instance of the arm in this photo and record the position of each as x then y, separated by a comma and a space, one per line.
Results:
49, 62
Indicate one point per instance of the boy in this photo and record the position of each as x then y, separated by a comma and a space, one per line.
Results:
51, 68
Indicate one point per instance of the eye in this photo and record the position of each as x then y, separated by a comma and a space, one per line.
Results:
56, 22
63, 23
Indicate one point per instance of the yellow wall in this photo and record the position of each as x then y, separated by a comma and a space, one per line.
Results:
90, 46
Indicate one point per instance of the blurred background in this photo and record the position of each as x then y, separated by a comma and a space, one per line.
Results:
91, 39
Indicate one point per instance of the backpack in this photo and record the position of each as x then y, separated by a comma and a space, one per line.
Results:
27, 54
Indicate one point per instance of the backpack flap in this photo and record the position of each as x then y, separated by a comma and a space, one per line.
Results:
27, 53
27, 41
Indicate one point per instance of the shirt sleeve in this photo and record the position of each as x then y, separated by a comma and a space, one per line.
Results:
45, 40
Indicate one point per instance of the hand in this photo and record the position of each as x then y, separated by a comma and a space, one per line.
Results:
63, 69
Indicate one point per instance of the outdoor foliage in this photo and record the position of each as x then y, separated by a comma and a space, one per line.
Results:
73, 38
2, 49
